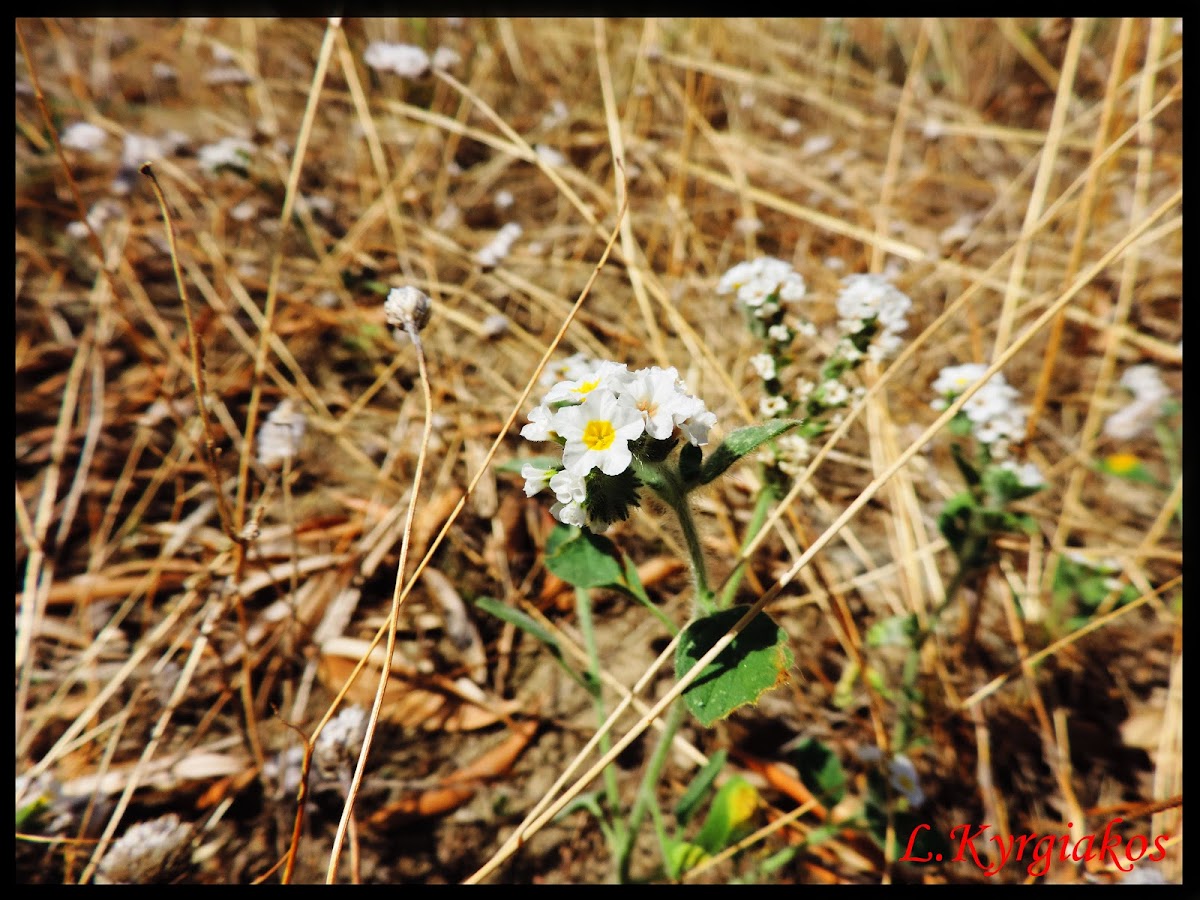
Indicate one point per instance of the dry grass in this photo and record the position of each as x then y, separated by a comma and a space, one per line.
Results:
185, 615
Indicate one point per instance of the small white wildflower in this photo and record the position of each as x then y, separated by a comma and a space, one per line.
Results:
764, 365
404, 60
1145, 383
549, 156
536, 478
956, 379
569, 513
448, 218
864, 298
573, 368
499, 247
280, 435
835, 264
604, 375
772, 406
817, 144
244, 211
794, 452
834, 393
569, 487
339, 743
697, 422
1128, 422
407, 309
503, 199
494, 325
804, 389
539, 427
556, 115
846, 350
789, 127
903, 775
746, 99
747, 225
445, 58
655, 395
1028, 474
163, 71
138, 149
597, 433
805, 328
221, 75
933, 129
230, 152
756, 281
780, 333
146, 853
83, 136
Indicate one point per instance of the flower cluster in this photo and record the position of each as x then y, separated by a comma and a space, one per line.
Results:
606, 417
1149, 393
996, 419
871, 316
762, 285
280, 435
227, 153
339, 743
146, 853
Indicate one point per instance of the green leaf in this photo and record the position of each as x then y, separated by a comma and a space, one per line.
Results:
894, 631
738, 444
530, 626
542, 462
682, 856
969, 473
753, 663
820, 770
728, 816
582, 559
701, 783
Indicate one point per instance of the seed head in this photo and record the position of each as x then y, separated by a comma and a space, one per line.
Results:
407, 308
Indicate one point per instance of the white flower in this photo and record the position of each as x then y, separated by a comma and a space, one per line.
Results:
871, 297
498, 248
1028, 474
536, 478
83, 136
793, 453
606, 374
569, 514
407, 308
230, 152
903, 775
779, 334
764, 365
503, 199
339, 742
556, 115
696, 422
818, 143
597, 433
956, 379
1149, 392
445, 58
654, 393
568, 487
834, 393
573, 368
756, 280
147, 852
494, 325
549, 156
280, 435
772, 406
405, 60
539, 427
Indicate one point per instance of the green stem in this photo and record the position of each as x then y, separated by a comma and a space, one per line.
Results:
646, 790
767, 495
583, 608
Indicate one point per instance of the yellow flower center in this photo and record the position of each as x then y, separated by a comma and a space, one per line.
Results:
599, 434
1122, 462
586, 387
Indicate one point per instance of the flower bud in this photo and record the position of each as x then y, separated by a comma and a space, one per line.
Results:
407, 308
